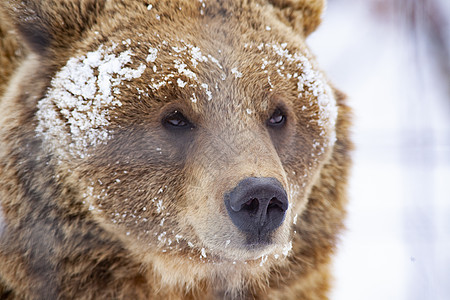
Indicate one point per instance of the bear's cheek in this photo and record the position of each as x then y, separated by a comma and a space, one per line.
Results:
133, 185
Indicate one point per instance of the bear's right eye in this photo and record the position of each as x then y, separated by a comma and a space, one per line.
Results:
277, 119
176, 120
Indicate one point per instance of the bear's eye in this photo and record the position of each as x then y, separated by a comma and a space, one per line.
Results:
176, 120
278, 118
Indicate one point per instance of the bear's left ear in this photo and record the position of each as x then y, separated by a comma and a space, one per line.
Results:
45, 24
303, 15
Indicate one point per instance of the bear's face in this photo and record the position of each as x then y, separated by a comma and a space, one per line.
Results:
196, 139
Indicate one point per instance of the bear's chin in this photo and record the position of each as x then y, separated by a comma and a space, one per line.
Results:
244, 255
224, 271
251, 252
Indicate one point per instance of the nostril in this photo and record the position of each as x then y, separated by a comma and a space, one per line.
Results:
275, 204
251, 205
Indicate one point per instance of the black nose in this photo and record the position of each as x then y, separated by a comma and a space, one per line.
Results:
257, 206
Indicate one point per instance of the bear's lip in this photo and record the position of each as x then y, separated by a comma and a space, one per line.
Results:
258, 241
247, 251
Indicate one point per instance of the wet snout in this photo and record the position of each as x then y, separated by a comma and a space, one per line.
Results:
257, 206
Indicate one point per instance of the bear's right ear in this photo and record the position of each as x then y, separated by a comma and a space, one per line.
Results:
303, 15
45, 24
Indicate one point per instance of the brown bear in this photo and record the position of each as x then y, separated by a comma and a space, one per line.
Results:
186, 149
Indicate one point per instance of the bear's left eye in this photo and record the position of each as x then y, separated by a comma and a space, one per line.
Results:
278, 118
176, 120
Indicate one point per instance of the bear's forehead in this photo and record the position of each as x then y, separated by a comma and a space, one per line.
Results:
76, 110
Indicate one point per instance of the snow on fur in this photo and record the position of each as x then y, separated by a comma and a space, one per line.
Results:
311, 84
75, 110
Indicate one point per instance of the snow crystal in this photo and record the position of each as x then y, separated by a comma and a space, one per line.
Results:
162, 237
197, 56
203, 252
202, 12
263, 260
194, 98
287, 248
182, 69
178, 49
186, 59
152, 56
270, 83
181, 83
149, 7
74, 114
236, 73
159, 206
264, 65
178, 237
207, 91
214, 60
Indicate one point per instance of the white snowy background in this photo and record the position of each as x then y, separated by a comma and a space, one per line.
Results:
391, 57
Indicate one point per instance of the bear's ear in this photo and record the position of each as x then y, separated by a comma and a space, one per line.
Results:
303, 15
45, 24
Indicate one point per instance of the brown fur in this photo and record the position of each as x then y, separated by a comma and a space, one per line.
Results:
140, 215
10, 53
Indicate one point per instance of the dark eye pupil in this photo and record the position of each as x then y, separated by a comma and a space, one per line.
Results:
277, 118
176, 119
176, 122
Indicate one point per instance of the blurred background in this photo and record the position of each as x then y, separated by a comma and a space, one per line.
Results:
392, 59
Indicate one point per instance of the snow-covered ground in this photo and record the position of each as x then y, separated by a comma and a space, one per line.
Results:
397, 245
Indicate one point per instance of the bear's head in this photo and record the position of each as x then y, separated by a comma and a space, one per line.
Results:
193, 131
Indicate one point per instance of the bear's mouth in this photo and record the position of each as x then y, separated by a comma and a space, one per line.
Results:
248, 250
258, 241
